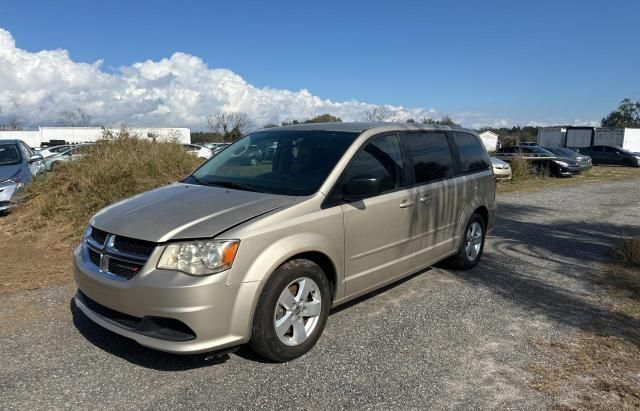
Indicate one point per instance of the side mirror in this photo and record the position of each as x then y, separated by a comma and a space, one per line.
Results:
360, 187
35, 157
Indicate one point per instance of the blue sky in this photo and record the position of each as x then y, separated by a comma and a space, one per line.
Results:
544, 61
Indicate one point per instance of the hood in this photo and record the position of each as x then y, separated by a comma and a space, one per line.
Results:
184, 211
497, 162
8, 171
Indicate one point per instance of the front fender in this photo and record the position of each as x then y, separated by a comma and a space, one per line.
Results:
265, 262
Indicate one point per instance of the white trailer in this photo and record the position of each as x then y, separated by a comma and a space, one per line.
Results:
579, 137
32, 138
551, 136
627, 138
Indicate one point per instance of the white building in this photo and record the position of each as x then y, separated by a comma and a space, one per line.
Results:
90, 134
490, 140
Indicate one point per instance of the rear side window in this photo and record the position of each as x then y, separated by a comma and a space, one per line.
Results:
381, 158
473, 157
430, 154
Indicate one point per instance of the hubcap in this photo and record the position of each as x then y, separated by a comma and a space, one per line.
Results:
297, 311
473, 241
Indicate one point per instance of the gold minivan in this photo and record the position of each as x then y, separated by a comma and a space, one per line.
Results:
259, 243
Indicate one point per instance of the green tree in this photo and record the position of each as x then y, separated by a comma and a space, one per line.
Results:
626, 115
324, 118
446, 121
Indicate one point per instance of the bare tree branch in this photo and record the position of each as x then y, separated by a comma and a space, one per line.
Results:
380, 113
231, 126
75, 118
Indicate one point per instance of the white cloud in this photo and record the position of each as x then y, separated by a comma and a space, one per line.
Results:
176, 91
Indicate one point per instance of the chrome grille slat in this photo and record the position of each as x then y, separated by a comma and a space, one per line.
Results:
113, 261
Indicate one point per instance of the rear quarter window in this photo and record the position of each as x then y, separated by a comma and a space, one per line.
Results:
473, 156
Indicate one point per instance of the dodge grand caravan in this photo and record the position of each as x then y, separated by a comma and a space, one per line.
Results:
259, 252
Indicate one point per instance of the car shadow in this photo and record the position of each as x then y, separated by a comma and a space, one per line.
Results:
555, 269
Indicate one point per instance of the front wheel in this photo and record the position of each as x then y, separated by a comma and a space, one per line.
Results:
470, 250
291, 312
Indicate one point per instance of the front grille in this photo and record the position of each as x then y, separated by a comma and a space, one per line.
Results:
124, 269
94, 256
133, 246
120, 256
98, 236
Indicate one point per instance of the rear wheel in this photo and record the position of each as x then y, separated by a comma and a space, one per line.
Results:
470, 250
292, 311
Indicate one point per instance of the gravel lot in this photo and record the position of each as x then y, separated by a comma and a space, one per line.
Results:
440, 339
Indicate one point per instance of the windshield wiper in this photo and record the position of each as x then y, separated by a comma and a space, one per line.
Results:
228, 184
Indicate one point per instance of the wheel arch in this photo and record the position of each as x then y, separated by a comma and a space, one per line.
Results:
484, 213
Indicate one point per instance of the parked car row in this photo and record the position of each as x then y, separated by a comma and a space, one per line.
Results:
563, 163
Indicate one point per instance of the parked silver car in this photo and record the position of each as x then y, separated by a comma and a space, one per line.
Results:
18, 164
259, 253
73, 152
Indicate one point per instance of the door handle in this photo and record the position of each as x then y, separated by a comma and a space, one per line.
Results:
425, 199
407, 204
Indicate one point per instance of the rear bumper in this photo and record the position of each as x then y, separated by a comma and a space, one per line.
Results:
149, 307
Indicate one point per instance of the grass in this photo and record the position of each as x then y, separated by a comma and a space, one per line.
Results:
523, 181
116, 167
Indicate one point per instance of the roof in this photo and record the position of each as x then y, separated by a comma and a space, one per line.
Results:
9, 141
359, 127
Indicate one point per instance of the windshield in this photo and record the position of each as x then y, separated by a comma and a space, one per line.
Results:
9, 154
284, 162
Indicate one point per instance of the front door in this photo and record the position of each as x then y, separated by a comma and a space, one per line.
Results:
379, 229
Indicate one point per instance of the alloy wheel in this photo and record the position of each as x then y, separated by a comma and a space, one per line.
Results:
473, 241
297, 311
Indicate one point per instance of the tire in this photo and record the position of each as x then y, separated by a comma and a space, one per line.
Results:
464, 260
280, 333
253, 161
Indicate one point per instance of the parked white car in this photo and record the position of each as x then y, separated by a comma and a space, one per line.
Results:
198, 151
52, 150
501, 169
71, 153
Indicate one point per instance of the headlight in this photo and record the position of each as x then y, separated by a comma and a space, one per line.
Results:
16, 179
638, 158
562, 163
199, 257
